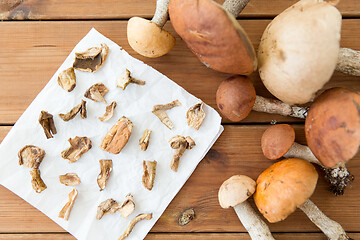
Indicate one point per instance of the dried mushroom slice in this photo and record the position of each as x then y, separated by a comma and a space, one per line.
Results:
138, 218
47, 122
180, 144
149, 174
128, 206
105, 171
69, 179
67, 79
195, 115
160, 112
124, 80
31, 156
78, 108
144, 140
91, 59
65, 211
37, 183
78, 146
97, 92
109, 112
117, 137
107, 207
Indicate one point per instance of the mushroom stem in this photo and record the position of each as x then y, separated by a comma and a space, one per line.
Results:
161, 12
348, 62
234, 7
330, 228
256, 227
277, 107
301, 151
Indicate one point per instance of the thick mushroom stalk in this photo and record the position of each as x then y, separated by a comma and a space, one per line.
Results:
161, 12
348, 62
235, 7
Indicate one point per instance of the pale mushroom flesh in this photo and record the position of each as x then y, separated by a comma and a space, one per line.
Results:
78, 146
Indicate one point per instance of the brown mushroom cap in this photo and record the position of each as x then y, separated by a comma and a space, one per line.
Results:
148, 39
332, 126
213, 35
235, 97
283, 187
236, 190
277, 140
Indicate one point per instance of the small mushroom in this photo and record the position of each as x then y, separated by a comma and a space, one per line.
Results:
109, 112
233, 193
69, 179
128, 206
105, 171
66, 210
160, 112
124, 80
287, 185
78, 108
47, 122
37, 183
91, 59
78, 146
236, 97
31, 156
110, 206
148, 38
149, 174
144, 140
195, 115
117, 137
67, 79
180, 144
138, 218
97, 92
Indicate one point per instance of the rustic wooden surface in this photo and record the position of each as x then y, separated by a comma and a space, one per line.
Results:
31, 51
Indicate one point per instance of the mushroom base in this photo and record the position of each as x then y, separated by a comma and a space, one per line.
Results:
339, 178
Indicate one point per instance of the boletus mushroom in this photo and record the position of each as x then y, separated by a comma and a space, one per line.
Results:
97, 92
233, 193
75, 110
212, 33
105, 171
236, 97
91, 59
148, 38
138, 218
46, 121
180, 144
195, 115
110, 206
66, 210
149, 174
67, 79
31, 156
69, 179
109, 112
160, 112
78, 146
279, 141
287, 185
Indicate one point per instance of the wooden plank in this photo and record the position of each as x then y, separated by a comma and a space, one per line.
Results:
124, 9
32, 51
236, 152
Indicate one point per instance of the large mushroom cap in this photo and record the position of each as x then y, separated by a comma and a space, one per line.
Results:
235, 97
213, 35
283, 187
148, 39
332, 126
236, 190
277, 140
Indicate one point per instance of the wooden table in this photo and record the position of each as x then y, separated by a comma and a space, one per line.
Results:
32, 50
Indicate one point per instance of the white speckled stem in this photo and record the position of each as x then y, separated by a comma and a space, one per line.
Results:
255, 226
234, 7
161, 12
277, 107
349, 62
301, 151
330, 228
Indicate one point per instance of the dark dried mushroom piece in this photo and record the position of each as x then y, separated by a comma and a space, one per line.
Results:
138, 218
31, 156
47, 122
186, 216
180, 144
124, 80
144, 140
66, 210
195, 115
91, 59
128, 206
97, 92
69, 179
109, 112
117, 137
37, 183
105, 171
107, 207
78, 108
149, 174
78, 146
67, 79
160, 112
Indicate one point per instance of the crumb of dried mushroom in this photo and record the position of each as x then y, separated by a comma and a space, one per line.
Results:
91, 59
37, 183
78, 108
160, 112
195, 115
180, 144
65, 211
31, 156
148, 177
138, 218
124, 80
186, 216
105, 171
117, 137
144, 140
67, 79
69, 179
47, 122
109, 112
78, 146
97, 92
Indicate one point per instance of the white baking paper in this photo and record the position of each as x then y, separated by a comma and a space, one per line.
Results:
136, 103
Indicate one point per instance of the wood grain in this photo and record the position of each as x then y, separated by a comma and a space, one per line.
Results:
31, 52
236, 152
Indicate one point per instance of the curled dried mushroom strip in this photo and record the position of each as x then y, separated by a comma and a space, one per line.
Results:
138, 218
105, 171
78, 108
111, 206
66, 210
195, 115
91, 59
180, 144
125, 79
47, 122
144, 140
69, 179
67, 79
128, 206
78, 146
109, 112
97, 92
160, 112
31, 156
37, 183
149, 174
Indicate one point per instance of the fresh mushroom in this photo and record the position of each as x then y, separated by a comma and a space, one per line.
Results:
236, 97
233, 193
148, 38
180, 144
287, 185
348, 62
279, 141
